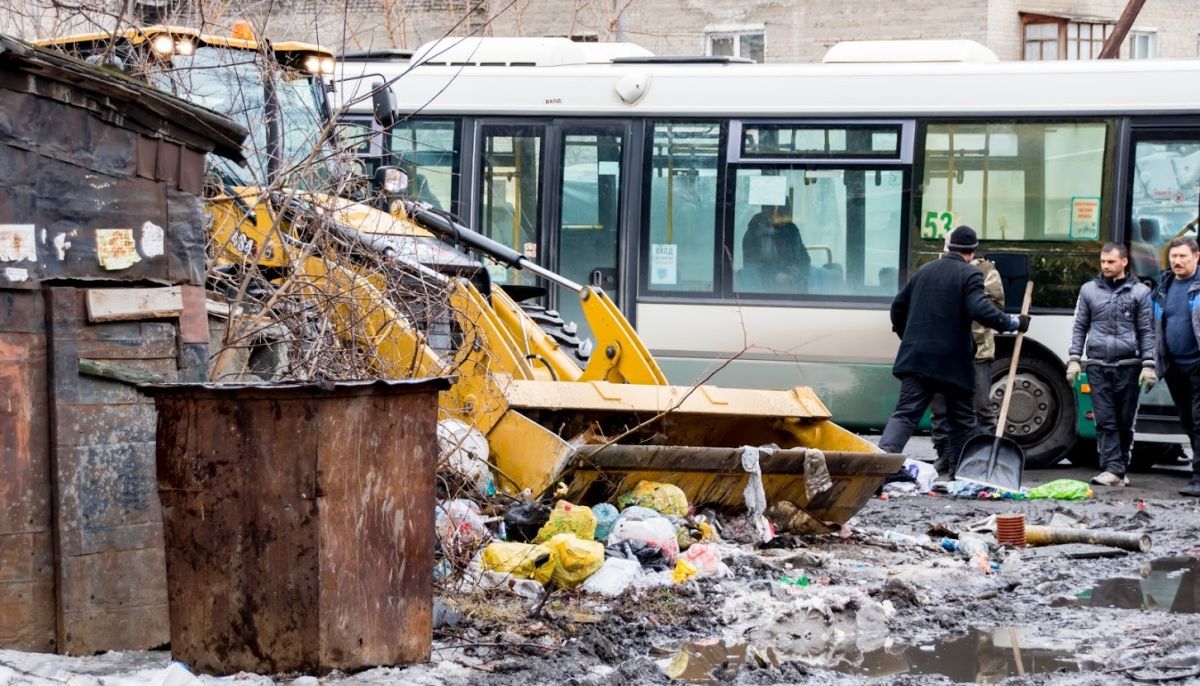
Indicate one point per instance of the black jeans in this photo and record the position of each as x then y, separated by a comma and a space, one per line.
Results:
1184, 384
985, 415
916, 392
1115, 393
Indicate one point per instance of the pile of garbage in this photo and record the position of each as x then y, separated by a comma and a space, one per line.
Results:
649, 537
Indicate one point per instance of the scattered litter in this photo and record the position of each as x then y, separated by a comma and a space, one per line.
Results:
923, 474
613, 577
706, 560
656, 532
1062, 489
522, 560
573, 559
523, 521
606, 515
463, 449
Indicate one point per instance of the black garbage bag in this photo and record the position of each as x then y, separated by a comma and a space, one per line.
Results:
522, 521
647, 556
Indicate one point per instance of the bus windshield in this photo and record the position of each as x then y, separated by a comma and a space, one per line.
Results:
234, 83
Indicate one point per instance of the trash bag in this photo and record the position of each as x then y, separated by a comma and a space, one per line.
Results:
646, 556
522, 522
522, 560
683, 571
656, 533
613, 577
460, 526
568, 518
923, 474
606, 516
573, 559
705, 559
463, 450
1062, 489
667, 499
635, 513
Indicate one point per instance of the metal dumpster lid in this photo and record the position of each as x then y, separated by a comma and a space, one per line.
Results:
434, 383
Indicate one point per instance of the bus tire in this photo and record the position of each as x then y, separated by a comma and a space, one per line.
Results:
561, 331
1041, 418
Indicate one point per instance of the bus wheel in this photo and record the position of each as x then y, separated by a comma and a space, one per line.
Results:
1041, 417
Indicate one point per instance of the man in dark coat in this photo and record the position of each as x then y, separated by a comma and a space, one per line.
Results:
932, 314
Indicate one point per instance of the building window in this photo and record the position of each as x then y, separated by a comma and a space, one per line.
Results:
1051, 38
747, 44
1143, 45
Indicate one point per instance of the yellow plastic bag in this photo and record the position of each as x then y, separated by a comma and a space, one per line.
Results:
522, 560
574, 559
567, 518
684, 570
666, 499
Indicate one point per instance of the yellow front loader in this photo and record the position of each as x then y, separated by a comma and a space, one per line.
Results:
599, 428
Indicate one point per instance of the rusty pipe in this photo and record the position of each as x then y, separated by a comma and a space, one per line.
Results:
1051, 535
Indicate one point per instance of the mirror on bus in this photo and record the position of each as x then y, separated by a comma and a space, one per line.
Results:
383, 102
391, 181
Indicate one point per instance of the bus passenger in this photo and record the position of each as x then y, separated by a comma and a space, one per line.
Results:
932, 314
1177, 329
774, 253
1113, 316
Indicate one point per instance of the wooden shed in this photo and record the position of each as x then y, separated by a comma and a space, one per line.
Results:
102, 267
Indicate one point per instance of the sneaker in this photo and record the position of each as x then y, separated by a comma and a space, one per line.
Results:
1109, 479
1192, 489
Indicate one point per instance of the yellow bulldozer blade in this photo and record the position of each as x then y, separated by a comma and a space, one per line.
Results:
692, 437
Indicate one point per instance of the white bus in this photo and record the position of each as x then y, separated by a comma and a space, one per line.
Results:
645, 174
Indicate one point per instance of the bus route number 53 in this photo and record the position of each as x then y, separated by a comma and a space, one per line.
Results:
937, 224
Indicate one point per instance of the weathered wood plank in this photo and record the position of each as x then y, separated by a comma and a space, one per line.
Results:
118, 372
123, 304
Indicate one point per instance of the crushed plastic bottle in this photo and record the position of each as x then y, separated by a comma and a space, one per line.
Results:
906, 539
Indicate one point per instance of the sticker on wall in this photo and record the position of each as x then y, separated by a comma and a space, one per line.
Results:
15, 274
17, 243
662, 264
1085, 218
152, 239
116, 248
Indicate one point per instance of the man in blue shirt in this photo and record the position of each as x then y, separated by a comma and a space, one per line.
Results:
1177, 355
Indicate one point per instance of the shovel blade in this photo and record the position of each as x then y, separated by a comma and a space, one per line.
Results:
995, 462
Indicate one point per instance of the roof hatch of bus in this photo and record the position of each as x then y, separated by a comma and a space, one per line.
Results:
874, 51
520, 52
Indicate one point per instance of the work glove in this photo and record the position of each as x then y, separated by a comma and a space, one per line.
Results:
1073, 372
1019, 322
1147, 378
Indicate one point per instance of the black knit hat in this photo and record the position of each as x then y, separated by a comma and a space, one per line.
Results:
963, 239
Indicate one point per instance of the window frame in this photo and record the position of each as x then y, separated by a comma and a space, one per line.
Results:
1151, 38
1063, 51
737, 36
392, 157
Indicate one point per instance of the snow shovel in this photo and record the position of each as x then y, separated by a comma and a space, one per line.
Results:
998, 462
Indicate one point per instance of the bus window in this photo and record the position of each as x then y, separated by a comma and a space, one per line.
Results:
1165, 198
817, 231
428, 151
682, 207
816, 140
1014, 182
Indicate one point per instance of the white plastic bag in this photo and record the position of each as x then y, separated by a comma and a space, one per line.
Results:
923, 473
656, 532
460, 525
613, 578
464, 450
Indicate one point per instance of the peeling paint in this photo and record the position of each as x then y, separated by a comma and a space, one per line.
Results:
116, 249
152, 239
17, 243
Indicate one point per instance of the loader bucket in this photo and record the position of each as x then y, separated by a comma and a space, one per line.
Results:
692, 437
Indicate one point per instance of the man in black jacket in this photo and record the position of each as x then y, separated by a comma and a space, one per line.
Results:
933, 315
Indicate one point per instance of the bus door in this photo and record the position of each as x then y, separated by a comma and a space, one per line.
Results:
553, 191
1164, 194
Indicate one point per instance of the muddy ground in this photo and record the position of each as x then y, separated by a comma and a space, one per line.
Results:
871, 611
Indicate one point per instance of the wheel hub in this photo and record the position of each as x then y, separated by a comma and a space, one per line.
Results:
1032, 410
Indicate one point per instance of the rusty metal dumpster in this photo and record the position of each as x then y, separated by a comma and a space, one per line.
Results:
298, 523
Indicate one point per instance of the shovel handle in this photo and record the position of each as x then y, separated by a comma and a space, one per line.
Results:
1012, 365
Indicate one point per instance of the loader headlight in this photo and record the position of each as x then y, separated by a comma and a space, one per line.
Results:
391, 180
163, 45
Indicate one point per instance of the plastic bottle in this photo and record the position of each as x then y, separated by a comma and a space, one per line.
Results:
905, 539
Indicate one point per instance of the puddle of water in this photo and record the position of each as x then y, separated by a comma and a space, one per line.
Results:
982, 656
1168, 584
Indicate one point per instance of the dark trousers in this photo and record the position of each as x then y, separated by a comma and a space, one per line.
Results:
1114, 404
985, 415
916, 392
1184, 384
